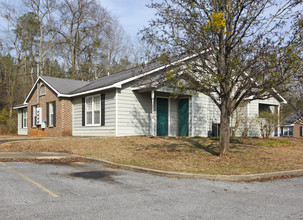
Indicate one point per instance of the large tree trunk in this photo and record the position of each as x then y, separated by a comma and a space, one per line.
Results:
224, 131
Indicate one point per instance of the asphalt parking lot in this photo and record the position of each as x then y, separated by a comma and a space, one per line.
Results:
91, 191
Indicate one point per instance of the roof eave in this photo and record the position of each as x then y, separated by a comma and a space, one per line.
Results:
20, 106
90, 91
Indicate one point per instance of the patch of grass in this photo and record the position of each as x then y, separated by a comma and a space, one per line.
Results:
129, 162
273, 142
192, 155
236, 141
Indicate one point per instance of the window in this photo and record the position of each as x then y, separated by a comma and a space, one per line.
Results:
291, 131
24, 118
288, 131
264, 108
51, 114
42, 90
35, 115
93, 110
301, 131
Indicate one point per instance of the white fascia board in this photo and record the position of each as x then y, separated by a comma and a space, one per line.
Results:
25, 102
143, 87
35, 85
90, 91
283, 100
20, 106
275, 91
249, 98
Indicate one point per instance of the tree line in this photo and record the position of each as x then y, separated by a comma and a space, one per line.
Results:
76, 39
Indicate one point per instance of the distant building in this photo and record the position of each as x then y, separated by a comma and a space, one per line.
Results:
293, 129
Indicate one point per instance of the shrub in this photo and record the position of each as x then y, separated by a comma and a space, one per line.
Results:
12, 125
3, 116
268, 123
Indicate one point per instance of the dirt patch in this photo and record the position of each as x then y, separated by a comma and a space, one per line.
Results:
37, 133
193, 155
272, 178
6, 144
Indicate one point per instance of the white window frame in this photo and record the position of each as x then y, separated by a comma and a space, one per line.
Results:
93, 111
24, 117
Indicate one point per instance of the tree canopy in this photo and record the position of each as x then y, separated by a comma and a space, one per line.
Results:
242, 49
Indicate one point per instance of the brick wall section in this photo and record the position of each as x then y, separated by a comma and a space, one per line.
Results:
63, 114
66, 112
297, 129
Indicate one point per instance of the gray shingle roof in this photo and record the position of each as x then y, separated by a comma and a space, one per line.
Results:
73, 87
118, 77
64, 86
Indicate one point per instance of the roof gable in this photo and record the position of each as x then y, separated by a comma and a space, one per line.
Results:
58, 85
63, 86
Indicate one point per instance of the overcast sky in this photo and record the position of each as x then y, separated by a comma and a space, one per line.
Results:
132, 14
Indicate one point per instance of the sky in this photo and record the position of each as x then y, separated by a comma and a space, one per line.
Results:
132, 14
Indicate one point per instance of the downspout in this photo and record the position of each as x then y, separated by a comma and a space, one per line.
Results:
38, 84
117, 92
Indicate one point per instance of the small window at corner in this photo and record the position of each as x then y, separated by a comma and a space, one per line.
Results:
42, 90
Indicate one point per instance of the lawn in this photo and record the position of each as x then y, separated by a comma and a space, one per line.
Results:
192, 155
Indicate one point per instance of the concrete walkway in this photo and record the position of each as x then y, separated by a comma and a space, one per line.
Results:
35, 155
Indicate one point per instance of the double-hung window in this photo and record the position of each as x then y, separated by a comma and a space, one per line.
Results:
93, 110
51, 114
24, 118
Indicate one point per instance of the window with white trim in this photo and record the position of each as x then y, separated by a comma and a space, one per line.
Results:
93, 110
42, 90
51, 114
24, 117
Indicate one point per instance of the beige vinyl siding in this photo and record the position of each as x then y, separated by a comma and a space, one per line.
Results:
204, 112
21, 131
173, 120
110, 117
134, 112
253, 112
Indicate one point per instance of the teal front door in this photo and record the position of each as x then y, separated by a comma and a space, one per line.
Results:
162, 117
183, 117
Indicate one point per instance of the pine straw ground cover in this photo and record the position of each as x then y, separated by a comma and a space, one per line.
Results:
193, 155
